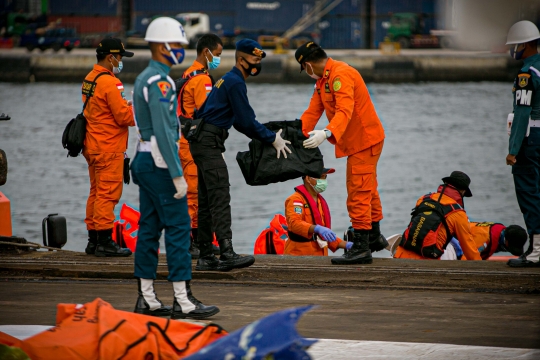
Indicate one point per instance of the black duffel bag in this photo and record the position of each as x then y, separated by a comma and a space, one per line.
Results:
260, 165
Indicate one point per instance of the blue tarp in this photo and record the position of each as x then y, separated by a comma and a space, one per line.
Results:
273, 335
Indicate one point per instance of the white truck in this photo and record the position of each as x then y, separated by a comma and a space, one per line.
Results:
195, 25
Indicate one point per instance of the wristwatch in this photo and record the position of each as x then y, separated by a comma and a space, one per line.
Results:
328, 133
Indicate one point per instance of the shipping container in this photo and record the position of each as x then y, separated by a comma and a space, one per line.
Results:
174, 7
412, 6
90, 24
349, 7
342, 32
84, 7
275, 16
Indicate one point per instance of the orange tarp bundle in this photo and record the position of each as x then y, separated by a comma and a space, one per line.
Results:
97, 331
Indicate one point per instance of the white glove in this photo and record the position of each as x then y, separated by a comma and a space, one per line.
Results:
314, 141
280, 145
181, 187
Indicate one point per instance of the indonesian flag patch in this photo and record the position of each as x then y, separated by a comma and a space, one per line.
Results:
208, 87
120, 87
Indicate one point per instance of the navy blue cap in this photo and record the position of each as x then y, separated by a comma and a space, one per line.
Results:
250, 47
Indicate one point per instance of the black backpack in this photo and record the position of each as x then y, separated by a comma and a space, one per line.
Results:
75, 131
181, 83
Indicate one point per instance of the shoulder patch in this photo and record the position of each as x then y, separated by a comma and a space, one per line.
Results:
164, 87
298, 210
337, 84
523, 79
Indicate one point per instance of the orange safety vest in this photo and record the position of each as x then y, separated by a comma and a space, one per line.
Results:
486, 237
316, 215
272, 239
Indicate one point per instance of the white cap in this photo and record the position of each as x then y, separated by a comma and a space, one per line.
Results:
166, 30
522, 32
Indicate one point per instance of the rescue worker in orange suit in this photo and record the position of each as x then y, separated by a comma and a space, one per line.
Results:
309, 221
356, 131
194, 87
108, 116
450, 196
491, 237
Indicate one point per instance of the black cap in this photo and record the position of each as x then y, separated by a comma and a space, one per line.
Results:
515, 238
112, 46
304, 51
250, 47
460, 181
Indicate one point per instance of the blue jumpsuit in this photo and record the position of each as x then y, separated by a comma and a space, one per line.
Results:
526, 171
154, 101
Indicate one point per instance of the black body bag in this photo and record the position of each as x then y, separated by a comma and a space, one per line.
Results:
75, 131
260, 165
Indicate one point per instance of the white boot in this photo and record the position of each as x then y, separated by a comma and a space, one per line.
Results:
148, 302
187, 306
534, 256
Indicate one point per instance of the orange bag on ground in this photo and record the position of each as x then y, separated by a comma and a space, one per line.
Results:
272, 239
96, 330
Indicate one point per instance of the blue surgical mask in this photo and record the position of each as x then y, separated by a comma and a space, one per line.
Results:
320, 186
117, 69
177, 55
214, 63
517, 54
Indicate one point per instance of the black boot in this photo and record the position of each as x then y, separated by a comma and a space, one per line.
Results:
359, 252
92, 242
148, 302
194, 246
216, 250
107, 247
230, 258
531, 258
211, 263
377, 241
187, 306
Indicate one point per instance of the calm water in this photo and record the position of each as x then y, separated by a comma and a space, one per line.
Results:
431, 129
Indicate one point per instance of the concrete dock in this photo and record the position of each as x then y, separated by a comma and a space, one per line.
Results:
410, 65
482, 303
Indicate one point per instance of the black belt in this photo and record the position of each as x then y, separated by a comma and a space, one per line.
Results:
222, 133
297, 238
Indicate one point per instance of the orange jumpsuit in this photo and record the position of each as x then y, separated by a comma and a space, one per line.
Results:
195, 92
299, 220
458, 224
108, 117
356, 132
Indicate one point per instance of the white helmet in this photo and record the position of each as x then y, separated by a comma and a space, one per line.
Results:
166, 30
522, 32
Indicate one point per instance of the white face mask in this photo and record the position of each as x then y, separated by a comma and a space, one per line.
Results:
312, 75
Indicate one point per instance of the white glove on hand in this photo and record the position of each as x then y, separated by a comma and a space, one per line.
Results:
317, 138
280, 145
181, 187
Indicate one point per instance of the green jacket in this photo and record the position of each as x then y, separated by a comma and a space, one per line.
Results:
526, 94
154, 101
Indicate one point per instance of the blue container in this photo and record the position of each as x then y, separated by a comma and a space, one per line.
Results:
175, 7
271, 16
349, 7
381, 7
84, 7
342, 32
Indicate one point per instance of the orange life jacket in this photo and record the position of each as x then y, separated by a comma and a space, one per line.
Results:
96, 330
486, 237
272, 239
316, 215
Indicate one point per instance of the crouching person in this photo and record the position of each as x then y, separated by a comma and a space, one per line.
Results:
309, 220
437, 218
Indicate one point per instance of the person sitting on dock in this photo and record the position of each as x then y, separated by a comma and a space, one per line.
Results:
309, 221
437, 218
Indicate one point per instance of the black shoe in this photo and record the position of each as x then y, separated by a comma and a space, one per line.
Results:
377, 241
522, 262
211, 263
92, 242
359, 252
200, 311
107, 247
142, 307
230, 258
